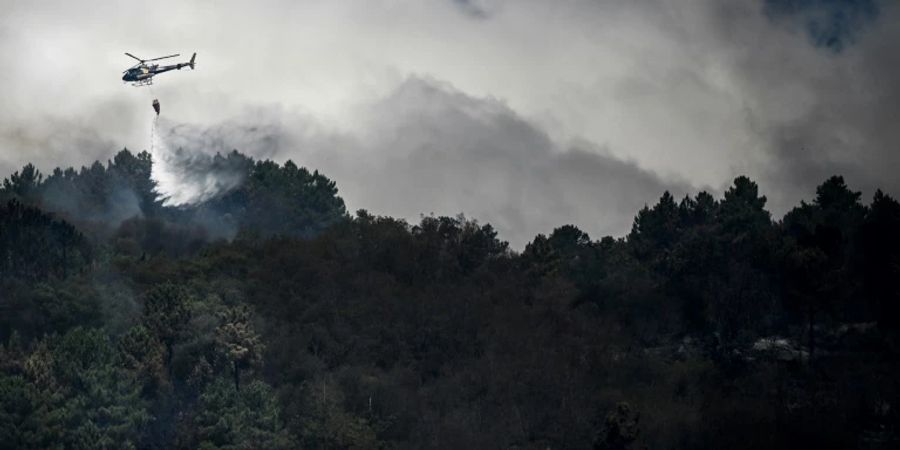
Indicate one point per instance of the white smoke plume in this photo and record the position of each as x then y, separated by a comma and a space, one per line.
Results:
424, 148
188, 166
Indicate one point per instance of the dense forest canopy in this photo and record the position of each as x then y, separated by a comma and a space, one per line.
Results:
269, 317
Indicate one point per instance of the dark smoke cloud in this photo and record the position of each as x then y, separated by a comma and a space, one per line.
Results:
429, 148
814, 109
667, 94
831, 24
62, 142
478, 9
447, 152
57, 138
850, 126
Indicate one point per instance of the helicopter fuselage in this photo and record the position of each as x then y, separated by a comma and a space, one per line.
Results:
146, 71
143, 73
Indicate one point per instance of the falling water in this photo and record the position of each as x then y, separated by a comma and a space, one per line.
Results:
184, 175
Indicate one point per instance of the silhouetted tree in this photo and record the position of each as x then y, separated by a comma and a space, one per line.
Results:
881, 259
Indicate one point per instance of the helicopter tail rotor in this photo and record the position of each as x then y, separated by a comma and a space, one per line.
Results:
193, 57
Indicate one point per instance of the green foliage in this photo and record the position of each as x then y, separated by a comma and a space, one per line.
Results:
23, 184
35, 246
17, 413
282, 200
272, 199
82, 396
167, 312
325, 422
307, 328
245, 419
120, 190
239, 342
144, 356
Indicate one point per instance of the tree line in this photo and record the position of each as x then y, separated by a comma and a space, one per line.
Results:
269, 317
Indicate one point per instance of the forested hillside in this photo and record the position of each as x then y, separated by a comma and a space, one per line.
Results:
268, 317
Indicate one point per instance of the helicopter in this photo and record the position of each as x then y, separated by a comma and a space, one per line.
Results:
141, 74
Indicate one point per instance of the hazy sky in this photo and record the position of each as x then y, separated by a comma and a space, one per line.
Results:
526, 114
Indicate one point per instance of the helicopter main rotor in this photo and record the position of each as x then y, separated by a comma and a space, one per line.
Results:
154, 59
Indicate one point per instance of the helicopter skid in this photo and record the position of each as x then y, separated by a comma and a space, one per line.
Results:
147, 82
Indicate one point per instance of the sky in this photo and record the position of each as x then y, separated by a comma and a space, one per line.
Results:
525, 114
